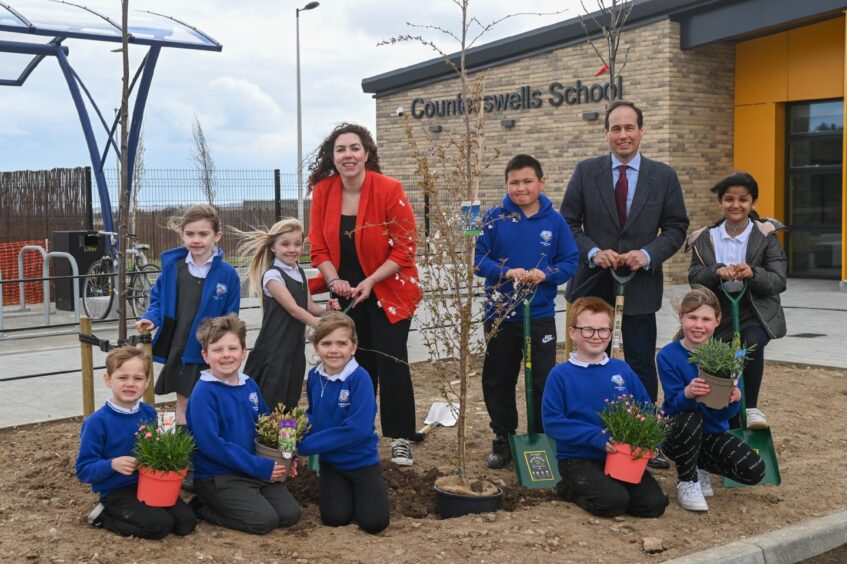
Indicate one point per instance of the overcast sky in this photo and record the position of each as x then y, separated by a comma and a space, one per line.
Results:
244, 96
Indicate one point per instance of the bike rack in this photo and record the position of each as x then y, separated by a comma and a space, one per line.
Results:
45, 275
22, 285
1, 303
45, 269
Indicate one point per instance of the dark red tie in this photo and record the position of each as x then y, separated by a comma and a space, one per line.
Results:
621, 190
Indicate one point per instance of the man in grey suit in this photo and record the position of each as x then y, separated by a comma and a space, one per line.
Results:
626, 210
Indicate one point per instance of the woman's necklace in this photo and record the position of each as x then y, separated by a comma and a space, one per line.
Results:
734, 231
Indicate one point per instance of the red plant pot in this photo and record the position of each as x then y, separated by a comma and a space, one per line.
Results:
159, 489
626, 465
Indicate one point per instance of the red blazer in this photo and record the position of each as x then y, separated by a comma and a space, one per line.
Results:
385, 229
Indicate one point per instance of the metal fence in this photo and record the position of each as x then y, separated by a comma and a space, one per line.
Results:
63, 200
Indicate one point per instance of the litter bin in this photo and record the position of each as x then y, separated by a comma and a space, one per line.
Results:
86, 247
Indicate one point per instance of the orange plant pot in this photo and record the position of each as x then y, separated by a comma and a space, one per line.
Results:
159, 489
626, 466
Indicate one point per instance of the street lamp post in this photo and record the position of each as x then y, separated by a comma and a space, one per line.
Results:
309, 6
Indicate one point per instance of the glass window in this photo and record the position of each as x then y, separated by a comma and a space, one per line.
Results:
818, 117
814, 190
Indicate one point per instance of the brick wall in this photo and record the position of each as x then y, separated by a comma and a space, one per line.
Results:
687, 98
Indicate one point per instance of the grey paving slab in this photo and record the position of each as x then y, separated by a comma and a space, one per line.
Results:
781, 546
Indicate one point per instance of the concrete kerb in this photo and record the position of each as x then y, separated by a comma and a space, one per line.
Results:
781, 546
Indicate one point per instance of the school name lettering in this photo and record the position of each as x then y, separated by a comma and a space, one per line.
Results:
525, 98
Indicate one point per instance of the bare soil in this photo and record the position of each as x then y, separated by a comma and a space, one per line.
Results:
43, 506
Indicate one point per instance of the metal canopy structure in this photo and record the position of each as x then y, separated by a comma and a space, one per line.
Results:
57, 21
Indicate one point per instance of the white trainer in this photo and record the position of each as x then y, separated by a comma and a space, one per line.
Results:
690, 496
96, 516
756, 419
401, 452
705, 481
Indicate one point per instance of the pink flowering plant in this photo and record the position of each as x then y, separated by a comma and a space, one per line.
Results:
639, 424
165, 451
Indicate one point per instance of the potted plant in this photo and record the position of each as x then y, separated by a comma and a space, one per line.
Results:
278, 433
720, 364
163, 458
635, 429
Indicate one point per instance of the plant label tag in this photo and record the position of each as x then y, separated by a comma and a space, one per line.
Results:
167, 421
470, 217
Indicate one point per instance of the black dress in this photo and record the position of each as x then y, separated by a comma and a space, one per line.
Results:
175, 376
278, 360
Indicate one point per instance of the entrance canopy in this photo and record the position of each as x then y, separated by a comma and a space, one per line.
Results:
31, 30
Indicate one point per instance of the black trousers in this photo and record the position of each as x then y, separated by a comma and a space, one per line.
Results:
753, 334
382, 352
246, 504
502, 365
690, 446
125, 515
358, 496
584, 483
639, 337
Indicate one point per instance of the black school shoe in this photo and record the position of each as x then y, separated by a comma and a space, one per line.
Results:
501, 453
659, 462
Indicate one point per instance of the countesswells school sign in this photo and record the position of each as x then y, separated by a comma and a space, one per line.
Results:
525, 98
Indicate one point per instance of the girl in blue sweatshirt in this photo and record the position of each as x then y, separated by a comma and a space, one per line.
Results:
235, 488
575, 394
105, 457
698, 440
195, 283
341, 411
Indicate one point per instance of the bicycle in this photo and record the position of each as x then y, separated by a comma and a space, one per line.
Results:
101, 287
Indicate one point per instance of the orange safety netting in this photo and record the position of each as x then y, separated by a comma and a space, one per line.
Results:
32, 262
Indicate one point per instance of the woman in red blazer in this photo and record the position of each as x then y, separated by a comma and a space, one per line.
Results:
363, 241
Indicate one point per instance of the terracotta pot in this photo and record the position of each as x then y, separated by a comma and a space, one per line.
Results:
455, 505
720, 389
159, 489
275, 455
626, 466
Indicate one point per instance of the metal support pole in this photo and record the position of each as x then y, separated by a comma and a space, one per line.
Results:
299, 131
300, 213
87, 359
89, 203
74, 273
277, 196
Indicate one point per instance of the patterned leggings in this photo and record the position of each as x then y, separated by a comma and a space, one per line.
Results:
691, 446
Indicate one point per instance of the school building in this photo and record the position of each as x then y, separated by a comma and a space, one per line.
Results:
754, 85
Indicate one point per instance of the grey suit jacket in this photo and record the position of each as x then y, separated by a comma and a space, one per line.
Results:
657, 223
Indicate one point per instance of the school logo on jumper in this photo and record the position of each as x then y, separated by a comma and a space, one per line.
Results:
220, 289
618, 381
344, 398
546, 236
254, 399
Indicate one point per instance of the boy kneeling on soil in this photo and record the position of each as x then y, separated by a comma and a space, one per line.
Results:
575, 394
235, 488
105, 455
341, 413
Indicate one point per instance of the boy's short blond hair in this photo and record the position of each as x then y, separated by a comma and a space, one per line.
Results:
119, 356
213, 329
591, 304
331, 321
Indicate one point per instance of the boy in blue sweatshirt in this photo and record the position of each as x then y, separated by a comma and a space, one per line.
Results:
576, 392
106, 458
341, 412
523, 241
235, 488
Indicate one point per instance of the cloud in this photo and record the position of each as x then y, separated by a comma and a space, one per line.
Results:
244, 96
